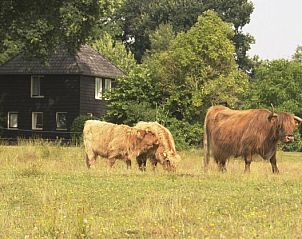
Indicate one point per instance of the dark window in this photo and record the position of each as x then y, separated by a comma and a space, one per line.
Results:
36, 86
37, 120
61, 118
13, 120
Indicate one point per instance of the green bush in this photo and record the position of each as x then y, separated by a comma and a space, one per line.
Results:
296, 146
77, 127
186, 135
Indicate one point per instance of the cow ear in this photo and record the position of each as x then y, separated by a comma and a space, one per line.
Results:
273, 117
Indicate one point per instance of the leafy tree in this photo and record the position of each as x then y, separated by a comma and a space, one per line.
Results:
160, 39
39, 25
139, 18
175, 86
134, 96
115, 51
298, 54
277, 82
199, 69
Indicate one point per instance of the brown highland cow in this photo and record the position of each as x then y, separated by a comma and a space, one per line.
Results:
246, 133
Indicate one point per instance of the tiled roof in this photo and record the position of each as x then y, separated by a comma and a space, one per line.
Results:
86, 61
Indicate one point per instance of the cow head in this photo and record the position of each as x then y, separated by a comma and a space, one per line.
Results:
168, 159
148, 141
286, 124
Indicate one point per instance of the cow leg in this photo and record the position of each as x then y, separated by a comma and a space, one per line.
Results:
90, 159
153, 162
128, 163
141, 161
248, 160
273, 161
221, 165
111, 162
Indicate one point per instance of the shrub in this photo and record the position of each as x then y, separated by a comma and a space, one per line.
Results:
296, 146
185, 134
77, 127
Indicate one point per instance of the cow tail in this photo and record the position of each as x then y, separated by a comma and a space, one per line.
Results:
206, 145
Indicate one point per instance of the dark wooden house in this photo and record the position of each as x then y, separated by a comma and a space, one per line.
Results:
44, 99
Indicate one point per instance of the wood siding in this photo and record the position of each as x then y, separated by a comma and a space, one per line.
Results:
61, 94
88, 103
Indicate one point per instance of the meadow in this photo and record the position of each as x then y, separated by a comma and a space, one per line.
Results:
46, 191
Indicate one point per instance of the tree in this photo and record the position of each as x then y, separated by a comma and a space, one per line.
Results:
115, 51
298, 54
39, 26
277, 82
139, 18
198, 69
175, 86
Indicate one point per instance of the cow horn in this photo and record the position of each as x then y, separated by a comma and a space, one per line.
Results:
273, 109
297, 118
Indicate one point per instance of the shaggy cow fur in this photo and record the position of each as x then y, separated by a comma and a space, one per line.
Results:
113, 142
165, 154
245, 133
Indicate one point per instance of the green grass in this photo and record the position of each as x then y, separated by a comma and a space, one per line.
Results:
46, 191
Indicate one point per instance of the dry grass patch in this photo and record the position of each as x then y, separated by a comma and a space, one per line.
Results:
46, 191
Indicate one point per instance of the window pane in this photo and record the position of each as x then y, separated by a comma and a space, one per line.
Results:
107, 84
13, 120
98, 88
37, 120
61, 120
35, 86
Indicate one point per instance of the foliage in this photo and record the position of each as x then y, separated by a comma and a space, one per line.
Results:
115, 51
160, 39
185, 135
296, 146
39, 26
177, 85
298, 54
133, 96
140, 18
11, 48
277, 82
198, 69
77, 126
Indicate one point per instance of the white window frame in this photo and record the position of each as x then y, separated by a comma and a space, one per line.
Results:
8, 120
98, 88
32, 82
102, 85
107, 86
57, 116
33, 123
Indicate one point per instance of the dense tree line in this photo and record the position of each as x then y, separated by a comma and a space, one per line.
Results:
179, 56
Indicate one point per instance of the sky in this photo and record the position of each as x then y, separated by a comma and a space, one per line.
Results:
277, 28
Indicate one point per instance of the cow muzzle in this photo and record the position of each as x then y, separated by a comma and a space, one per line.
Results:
288, 139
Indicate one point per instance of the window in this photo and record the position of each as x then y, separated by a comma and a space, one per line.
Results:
61, 118
37, 120
107, 86
101, 86
12, 120
36, 86
98, 88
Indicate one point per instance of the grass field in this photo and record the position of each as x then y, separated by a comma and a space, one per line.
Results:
46, 191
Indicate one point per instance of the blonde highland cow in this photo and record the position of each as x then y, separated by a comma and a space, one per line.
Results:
114, 142
165, 154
